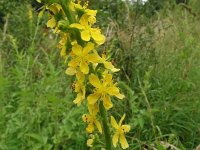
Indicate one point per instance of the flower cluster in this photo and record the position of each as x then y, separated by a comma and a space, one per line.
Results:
93, 72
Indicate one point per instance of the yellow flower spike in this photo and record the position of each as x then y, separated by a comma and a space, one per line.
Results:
120, 132
91, 119
104, 88
83, 56
79, 88
81, 59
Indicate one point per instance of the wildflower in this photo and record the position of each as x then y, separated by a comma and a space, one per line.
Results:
120, 131
87, 32
63, 45
91, 119
82, 57
79, 88
91, 13
103, 90
57, 10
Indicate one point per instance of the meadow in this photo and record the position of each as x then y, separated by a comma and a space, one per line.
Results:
155, 45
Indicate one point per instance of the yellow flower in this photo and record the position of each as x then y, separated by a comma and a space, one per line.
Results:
82, 57
91, 119
120, 131
87, 32
91, 13
55, 9
107, 64
90, 140
63, 45
104, 88
79, 88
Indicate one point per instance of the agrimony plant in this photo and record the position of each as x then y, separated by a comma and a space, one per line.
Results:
93, 72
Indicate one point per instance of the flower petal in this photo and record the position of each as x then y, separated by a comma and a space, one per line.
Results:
74, 62
51, 23
77, 49
85, 35
125, 128
63, 52
90, 127
115, 139
120, 96
88, 48
79, 99
114, 123
70, 71
97, 36
84, 20
77, 26
115, 69
112, 90
84, 67
98, 125
107, 79
120, 122
80, 76
92, 98
53, 8
93, 109
107, 102
94, 80
123, 141
71, 6
109, 65
90, 12
94, 58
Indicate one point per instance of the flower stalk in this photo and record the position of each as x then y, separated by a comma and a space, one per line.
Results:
94, 85
106, 129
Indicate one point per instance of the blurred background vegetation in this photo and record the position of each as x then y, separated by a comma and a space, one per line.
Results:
156, 46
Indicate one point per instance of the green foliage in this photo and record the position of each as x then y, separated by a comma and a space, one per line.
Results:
159, 61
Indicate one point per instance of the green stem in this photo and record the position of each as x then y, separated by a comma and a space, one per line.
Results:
65, 5
106, 129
